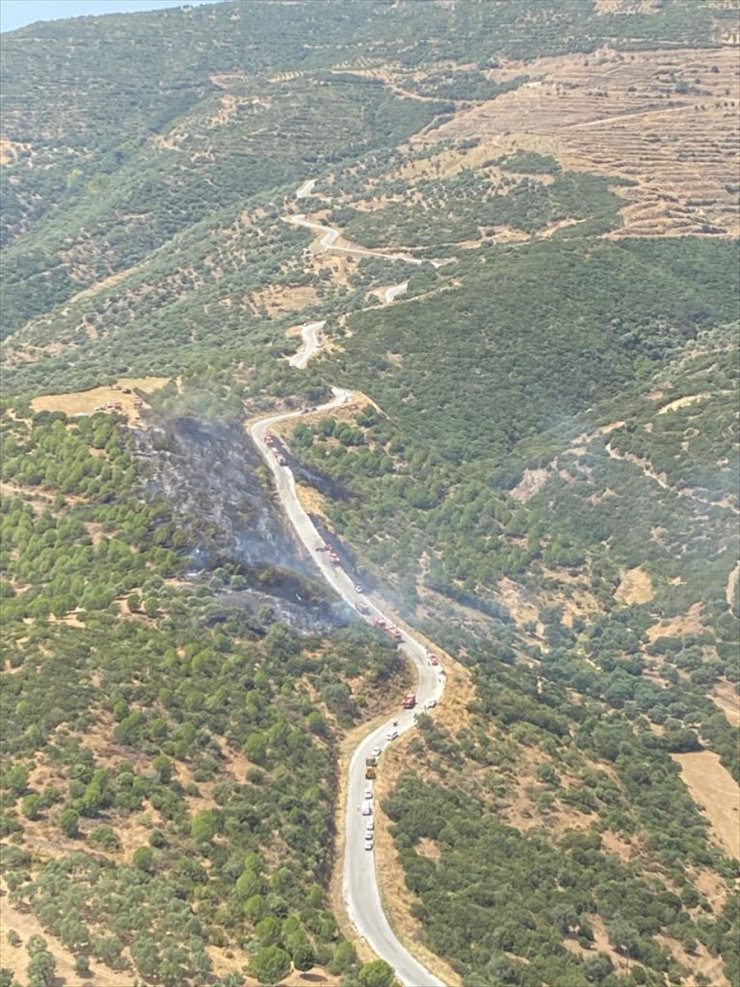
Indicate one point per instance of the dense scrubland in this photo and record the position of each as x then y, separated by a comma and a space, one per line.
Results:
543, 479
148, 726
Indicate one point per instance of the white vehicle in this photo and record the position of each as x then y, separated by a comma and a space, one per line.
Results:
369, 826
368, 845
392, 734
369, 793
359, 588
430, 704
377, 751
367, 809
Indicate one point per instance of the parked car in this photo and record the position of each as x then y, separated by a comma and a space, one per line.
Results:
367, 809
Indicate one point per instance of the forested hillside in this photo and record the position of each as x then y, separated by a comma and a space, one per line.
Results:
517, 227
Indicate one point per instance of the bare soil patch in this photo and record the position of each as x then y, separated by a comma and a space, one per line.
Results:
714, 889
340, 266
16, 959
38, 499
702, 962
279, 299
10, 150
428, 848
16, 353
448, 162
683, 402
110, 282
516, 600
715, 792
725, 695
524, 814
613, 843
99, 398
635, 586
569, 591
688, 623
532, 482
601, 945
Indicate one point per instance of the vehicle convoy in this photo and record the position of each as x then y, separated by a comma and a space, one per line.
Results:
360, 890
409, 700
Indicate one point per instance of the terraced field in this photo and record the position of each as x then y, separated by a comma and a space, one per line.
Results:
665, 120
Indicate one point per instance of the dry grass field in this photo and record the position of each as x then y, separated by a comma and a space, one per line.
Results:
101, 398
716, 792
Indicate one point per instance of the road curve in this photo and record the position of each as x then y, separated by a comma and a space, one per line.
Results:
310, 346
361, 893
306, 189
330, 236
395, 291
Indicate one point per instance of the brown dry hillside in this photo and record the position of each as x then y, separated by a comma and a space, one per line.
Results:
666, 120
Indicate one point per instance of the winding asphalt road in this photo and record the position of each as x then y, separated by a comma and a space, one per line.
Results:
360, 885
361, 893
330, 236
311, 345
